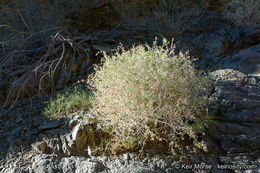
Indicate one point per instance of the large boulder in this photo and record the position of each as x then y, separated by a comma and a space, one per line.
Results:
246, 61
218, 43
236, 96
210, 39
250, 36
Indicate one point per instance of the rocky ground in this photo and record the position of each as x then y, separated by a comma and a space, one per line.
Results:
228, 54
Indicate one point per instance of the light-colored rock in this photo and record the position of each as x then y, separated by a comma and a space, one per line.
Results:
40, 147
84, 136
72, 141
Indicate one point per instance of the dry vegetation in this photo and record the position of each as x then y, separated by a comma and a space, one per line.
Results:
164, 17
35, 48
243, 12
25, 23
149, 94
144, 94
25, 44
32, 71
34, 42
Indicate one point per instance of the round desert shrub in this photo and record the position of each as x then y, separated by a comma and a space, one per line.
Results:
148, 94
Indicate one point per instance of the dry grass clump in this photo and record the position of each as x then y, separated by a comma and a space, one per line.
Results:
29, 22
26, 27
42, 70
35, 49
165, 17
243, 12
149, 94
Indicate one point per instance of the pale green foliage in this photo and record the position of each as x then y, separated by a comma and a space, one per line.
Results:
68, 102
243, 12
148, 93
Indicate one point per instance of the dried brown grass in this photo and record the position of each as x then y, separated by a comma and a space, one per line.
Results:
37, 71
34, 48
165, 17
243, 12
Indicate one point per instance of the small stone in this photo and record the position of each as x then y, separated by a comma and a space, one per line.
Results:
126, 156
40, 147
48, 126
89, 151
73, 123
75, 131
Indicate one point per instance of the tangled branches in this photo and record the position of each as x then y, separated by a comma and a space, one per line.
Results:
28, 72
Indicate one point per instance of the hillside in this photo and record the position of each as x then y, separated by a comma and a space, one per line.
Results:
130, 86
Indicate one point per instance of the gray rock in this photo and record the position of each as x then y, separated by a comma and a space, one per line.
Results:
212, 38
126, 156
82, 135
67, 165
220, 44
52, 163
212, 44
236, 128
67, 150
44, 164
10, 170
40, 147
49, 125
88, 167
70, 141
246, 61
252, 116
237, 98
251, 35
73, 123
244, 160
241, 143
234, 91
